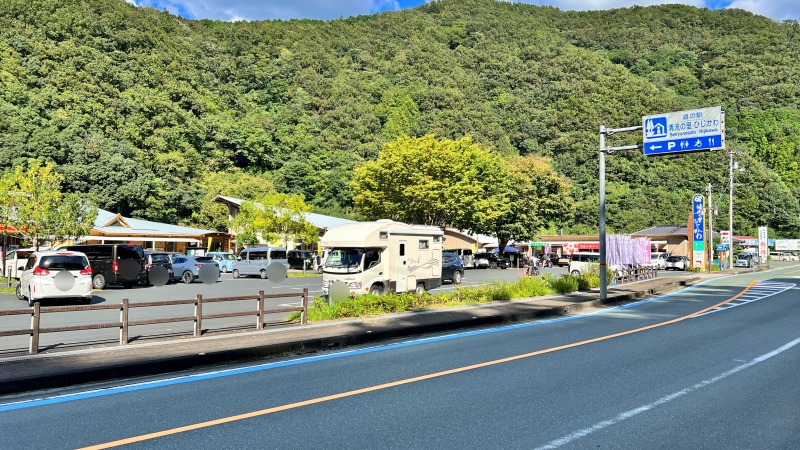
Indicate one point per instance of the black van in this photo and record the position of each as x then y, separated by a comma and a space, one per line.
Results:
106, 259
296, 259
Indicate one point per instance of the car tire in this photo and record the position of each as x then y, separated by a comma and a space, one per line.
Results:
86, 300
20, 296
235, 273
575, 273
376, 289
420, 290
31, 301
99, 281
224, 269
263, 274
187, 277
457, 277
493, 265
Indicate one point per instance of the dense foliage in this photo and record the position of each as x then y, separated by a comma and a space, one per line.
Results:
141, 110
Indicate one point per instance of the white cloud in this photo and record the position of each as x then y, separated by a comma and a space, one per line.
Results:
271, 9
332, 9
778, 10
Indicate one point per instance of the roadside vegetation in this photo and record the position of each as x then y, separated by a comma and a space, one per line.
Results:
525, 287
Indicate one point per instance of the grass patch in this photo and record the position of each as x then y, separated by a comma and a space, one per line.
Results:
302, 275
372, 305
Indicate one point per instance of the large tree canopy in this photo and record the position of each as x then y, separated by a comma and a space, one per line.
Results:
433, 182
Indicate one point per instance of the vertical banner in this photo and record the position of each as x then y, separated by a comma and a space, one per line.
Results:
698, 232
763, 249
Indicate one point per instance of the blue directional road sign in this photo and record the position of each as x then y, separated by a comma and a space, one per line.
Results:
684, 131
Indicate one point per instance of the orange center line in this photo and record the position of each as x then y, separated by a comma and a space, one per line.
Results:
327, 398
794, 271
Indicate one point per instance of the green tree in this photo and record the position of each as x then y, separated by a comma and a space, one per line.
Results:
74, 218
536, 194
34, 196
275, 217
282, 218
433, 182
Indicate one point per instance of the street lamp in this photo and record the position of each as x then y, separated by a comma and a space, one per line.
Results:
733, 166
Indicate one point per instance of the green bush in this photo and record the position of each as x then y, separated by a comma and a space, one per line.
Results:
565, 284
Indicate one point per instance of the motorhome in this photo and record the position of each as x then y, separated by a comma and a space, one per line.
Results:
383, 257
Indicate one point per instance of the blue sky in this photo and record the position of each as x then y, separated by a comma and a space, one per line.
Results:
333, 9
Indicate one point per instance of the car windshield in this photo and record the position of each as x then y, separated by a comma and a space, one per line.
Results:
228, 257
673, 259
64, 262
161, 259
344, 258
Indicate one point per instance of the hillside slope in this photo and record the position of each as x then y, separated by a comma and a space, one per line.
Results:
140, 108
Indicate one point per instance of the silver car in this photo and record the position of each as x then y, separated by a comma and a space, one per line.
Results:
187, 268
747, 260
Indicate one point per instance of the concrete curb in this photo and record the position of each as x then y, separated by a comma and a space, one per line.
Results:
19, 375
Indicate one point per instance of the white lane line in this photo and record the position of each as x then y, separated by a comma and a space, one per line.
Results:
554, 444
748, 298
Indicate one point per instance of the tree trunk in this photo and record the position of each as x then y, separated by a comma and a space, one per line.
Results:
501, 245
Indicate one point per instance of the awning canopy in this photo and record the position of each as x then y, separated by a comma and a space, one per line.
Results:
138, 238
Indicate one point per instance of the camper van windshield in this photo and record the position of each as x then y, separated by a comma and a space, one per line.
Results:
340, 258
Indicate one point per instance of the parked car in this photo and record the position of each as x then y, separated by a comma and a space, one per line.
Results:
21, 256
254, 261
492, 261
563, 260
659, 259
297, 259
106, 259
156, 259
41, 277
746, 260
581, 261
452, 268
187, 268
677, 263
224, 260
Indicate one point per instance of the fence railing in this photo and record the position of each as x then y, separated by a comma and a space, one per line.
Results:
634, 273
125, 323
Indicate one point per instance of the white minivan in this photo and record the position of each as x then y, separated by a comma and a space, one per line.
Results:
254, 261
55, 274
580, 262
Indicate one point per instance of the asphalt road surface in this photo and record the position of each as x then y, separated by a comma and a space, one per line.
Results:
713, 366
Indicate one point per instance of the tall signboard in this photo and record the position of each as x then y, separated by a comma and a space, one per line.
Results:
698, 232
787, 244
684, 131
763, 242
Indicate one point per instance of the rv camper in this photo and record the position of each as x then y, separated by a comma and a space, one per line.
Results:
383, 256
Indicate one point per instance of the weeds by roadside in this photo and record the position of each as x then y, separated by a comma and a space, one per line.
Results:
525, 287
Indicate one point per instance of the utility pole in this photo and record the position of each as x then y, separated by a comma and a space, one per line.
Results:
710, 227
730, 212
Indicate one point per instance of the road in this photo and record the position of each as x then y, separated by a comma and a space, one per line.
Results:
712, 366
227, 286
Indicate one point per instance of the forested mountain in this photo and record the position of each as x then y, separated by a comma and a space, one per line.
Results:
143, 110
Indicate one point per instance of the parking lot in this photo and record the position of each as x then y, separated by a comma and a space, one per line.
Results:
226, 286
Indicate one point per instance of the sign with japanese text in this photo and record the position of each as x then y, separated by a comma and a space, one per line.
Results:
763, 245
787, 244
725, 237
698, 231
684, 131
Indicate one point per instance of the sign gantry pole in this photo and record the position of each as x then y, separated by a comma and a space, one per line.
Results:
602, 187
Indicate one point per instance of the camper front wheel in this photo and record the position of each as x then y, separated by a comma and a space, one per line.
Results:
420, 289
376, 289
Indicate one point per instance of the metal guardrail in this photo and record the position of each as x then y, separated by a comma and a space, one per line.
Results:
125, 323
